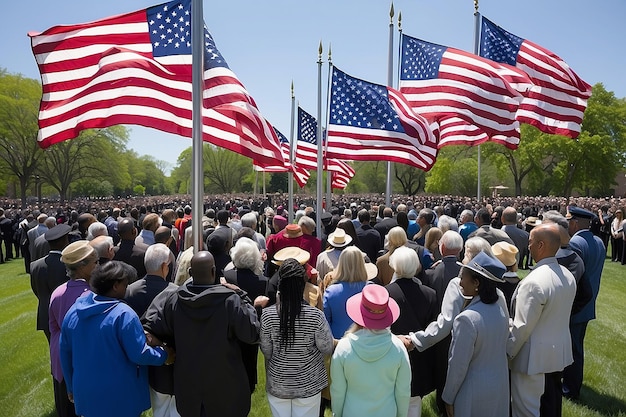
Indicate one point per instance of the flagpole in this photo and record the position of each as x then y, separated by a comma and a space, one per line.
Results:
390, 84
197, 83
320, 172
329, 189
291, 142
476, 45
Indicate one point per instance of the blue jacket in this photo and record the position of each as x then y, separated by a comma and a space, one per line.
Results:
104, 357
592, 251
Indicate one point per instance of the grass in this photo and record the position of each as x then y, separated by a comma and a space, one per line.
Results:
26, 384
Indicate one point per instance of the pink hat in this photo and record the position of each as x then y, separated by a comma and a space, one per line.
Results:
372, 308
281, 222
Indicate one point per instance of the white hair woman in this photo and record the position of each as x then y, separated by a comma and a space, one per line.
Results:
475, 245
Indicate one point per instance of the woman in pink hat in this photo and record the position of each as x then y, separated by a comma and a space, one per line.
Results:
370, 370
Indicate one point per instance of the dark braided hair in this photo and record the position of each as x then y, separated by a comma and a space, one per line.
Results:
291, 287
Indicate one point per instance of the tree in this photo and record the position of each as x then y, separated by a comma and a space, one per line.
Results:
19, 108
224, 170
411, 179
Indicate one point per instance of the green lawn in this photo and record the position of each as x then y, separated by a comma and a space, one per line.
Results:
26, 384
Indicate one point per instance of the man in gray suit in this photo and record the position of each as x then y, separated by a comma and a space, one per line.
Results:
539, 344
490, 234
517, 235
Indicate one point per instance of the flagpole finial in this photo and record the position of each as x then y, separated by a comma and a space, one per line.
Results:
400, 21
292, 90
391, 13
330, 54
319, 50
475, 6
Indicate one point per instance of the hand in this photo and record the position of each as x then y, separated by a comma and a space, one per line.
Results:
261, 301
450, 410
152, 340
229, 285
171, 355
408, 344
70, 397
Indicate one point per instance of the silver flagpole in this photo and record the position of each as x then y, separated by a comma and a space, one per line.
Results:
320, 171
291, 142
476, 45
390, 84
329, 181
197, 85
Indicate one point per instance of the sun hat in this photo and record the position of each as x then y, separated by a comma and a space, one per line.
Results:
292, 231
294, 252
339, 238
505, 252
76, 252
371, 269
372, 308
485, 265
533, 221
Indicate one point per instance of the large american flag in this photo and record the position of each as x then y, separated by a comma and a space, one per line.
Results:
284, 147
135, 68
371, 122
557, 103
468, 96
341, 174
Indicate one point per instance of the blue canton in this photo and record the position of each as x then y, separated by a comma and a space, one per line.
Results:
170, 33
281, 137
499, 45
361, 104
307, 127
420, 59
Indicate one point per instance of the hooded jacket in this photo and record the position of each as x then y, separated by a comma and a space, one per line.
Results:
205, 325
104, 357
370, 375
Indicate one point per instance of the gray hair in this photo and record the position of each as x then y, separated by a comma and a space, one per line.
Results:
553, 216
96, 229
452, 241
102, 244
249, 220
156, 255
307, 222
475, 245
246, 255
405, 262
446, 223
467, 213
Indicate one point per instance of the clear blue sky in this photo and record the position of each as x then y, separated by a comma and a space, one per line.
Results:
270, 43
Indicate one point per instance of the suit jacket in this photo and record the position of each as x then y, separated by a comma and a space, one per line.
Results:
140, 293
438, 278
40, 248
33, 234
540, 341
519, 238
592, 251
133, 254
384, 226
369, 241
491, 235
46, 274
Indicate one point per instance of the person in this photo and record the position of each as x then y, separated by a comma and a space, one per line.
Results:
517, 235
467, 226
294, 339
539, 345
80, 260
205, 321
385, 224
418, 307
396, 238
370, 369
592, 251
438, 277
328, 260
369, 238
425, 220
48, 273
103, 345
432, 242
348, 279
127, 250
617, 235
149, 225
478, 348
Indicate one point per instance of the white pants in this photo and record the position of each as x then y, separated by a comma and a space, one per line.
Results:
415, 407
163, 405
526, 391
295, 407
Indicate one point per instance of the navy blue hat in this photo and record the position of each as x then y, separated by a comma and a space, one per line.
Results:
487, 266
575, 212
57, 232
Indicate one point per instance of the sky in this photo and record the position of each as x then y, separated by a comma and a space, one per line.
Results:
268, 44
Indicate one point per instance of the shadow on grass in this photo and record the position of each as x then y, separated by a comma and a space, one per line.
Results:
602, 403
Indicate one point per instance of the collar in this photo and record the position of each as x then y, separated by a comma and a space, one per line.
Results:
544, 261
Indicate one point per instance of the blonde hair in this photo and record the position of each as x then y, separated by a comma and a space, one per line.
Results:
351, 266
395, 238
433, 236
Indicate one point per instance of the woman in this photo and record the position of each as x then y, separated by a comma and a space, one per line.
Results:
395, 238
617, 235
370, 368
507, 254
433, 236
294, 339
475, 245
247, 274
348, 226
477, 358
103, 346
348, 279
418, 307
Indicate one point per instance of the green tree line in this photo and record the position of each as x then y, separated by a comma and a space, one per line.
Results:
98, 162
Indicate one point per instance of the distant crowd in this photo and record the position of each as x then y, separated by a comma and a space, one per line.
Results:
385, 306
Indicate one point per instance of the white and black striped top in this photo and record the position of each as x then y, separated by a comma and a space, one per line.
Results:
296, 371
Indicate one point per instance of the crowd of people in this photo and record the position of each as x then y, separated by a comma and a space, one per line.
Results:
387, 305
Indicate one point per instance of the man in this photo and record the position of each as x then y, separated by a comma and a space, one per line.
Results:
425, 220
128, 251
206, 321
48, 273
104, 248
84, 221
467, 225
6, 230
139, 295
149, 225
34, 232
386, 224
486, 231
41, 246
539, 346
517, 235
250, 220
592, 251
369, 238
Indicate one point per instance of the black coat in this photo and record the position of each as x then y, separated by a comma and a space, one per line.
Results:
133, 254
438, 277
46, 274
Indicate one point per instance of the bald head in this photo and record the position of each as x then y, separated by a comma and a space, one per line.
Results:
202, 268
509, 216
545, 241
126, 229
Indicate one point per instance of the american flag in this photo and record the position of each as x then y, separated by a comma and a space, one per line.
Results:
284, 147
557, 103
306, 147
341, 174
468, 96
371, 122
135, 68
